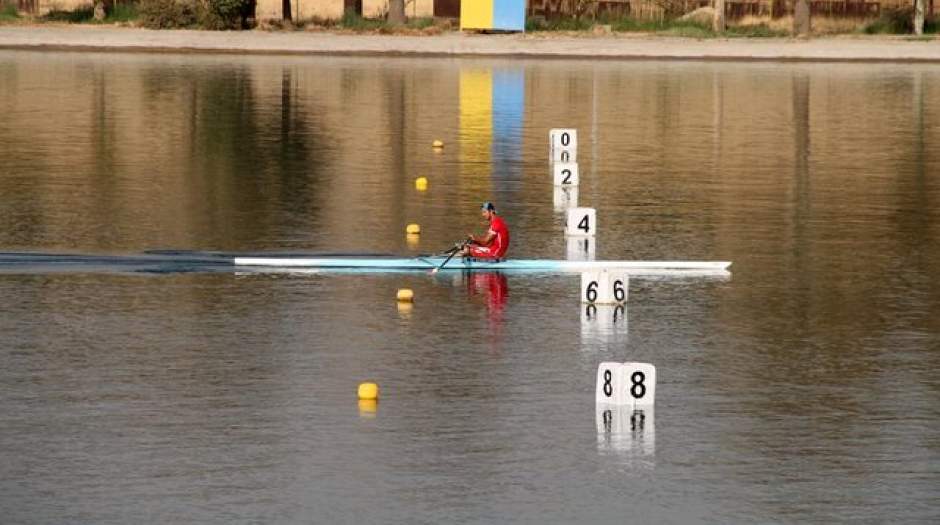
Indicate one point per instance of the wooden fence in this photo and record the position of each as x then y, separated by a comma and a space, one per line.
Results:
657, 9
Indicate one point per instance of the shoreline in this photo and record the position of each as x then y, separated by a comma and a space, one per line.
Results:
856, 49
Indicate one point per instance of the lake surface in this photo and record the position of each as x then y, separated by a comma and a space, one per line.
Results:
803, 389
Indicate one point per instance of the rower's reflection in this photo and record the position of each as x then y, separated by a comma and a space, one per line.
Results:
494, 288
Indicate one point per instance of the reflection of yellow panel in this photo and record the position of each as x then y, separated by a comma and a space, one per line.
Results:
476, 14
476, 129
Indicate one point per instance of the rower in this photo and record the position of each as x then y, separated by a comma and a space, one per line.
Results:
494, 243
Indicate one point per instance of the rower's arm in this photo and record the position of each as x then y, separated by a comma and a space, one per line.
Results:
485, 239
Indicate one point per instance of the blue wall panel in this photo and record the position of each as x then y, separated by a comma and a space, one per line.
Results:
509, 15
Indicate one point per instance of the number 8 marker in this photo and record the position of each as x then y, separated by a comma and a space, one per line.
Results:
609, 384
639, 385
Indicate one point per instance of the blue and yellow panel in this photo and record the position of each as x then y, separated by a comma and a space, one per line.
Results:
497, 15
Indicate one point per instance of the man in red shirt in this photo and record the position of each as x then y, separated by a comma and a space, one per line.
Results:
494, 243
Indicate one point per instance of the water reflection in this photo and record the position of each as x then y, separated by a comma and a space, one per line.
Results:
603, 323
627, 433
493, 288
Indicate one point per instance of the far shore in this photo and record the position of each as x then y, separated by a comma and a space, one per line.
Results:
455, 44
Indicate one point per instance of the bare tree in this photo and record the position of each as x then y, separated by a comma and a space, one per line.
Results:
801, 21
919, 9
718, 24
396, 12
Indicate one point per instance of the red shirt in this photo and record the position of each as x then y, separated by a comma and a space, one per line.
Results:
498, 246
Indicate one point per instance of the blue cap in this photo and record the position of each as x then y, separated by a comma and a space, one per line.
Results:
488, 206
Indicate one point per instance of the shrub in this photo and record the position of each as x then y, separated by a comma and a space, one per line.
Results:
227, 14
895, 21
167, 14
75, 16
207, 14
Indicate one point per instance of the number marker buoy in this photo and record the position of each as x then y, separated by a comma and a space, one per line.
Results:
405, 295
437, 144
413, 229
581, 222
604, 287
632, 384
421, 183
368, 391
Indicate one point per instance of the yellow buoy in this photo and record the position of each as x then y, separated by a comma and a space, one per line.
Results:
437, 144
421, 183
413, 229
368, 391
405, 295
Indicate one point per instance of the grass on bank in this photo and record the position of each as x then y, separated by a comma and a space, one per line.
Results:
358, 24
891, 22
681, 28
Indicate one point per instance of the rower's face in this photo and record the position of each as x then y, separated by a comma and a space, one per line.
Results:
486, 214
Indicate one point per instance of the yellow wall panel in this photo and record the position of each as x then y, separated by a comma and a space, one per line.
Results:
476, 14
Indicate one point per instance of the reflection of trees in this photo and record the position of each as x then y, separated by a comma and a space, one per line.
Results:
394, 89
103, 138
801, 144
254, 159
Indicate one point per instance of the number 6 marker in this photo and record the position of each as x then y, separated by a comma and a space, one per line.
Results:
604, 287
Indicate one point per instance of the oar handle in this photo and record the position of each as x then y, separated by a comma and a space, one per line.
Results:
454, 251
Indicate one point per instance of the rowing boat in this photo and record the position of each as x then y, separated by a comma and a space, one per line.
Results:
306, 262
511, 265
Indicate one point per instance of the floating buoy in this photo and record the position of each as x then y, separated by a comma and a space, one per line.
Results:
437, 144
368, 391
405, 295
413, 229
421, 183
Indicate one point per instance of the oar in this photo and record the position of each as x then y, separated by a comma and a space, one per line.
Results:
449, 257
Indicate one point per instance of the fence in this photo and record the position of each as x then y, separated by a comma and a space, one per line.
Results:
657, 9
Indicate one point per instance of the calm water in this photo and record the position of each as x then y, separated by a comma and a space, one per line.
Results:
804, 389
